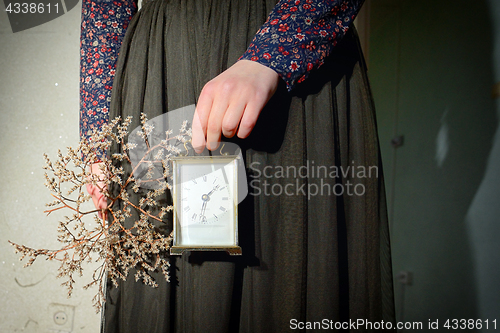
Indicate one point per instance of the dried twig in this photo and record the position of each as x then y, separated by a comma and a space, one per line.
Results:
118, 248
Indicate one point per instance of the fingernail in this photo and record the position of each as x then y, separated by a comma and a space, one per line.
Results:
198, 148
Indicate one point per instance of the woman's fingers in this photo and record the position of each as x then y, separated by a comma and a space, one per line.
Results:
90, 188
198, 139
252, 111
231, 103
101, 204
214, 126
249, 120
200, 119
232, 118
96, 191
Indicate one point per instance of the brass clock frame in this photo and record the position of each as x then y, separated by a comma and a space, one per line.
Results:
177, 247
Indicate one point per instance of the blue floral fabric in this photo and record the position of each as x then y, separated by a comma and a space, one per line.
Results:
299, 34
104, 23
296, 38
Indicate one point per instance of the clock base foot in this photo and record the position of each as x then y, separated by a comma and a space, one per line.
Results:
231, 250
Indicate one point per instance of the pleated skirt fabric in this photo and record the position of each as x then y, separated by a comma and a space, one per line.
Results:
315, 242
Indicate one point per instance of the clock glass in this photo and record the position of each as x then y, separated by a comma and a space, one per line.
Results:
205, 201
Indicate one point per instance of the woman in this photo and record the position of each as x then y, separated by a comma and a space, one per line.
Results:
298, 99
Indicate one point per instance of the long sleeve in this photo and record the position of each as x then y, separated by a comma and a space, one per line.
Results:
296, 38
299, 34
103, 27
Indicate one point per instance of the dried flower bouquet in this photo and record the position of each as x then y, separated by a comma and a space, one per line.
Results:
131, 234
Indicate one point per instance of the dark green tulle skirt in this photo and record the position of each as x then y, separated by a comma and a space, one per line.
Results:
306, 256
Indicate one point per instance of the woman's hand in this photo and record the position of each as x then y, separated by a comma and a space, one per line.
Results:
231, 103
96, 191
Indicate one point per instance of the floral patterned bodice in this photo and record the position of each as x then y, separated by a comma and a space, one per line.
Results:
295, 39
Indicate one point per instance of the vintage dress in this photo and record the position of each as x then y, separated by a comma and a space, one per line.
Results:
296, 37
307, 256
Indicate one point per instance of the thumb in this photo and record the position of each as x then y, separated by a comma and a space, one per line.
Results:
90, 189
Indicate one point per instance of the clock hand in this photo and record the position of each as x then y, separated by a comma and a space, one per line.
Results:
213, 190
206, 198
203, 208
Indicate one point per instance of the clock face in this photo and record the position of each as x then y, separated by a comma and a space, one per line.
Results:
205, 199
205, 203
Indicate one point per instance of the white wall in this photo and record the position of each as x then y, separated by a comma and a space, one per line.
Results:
39, 104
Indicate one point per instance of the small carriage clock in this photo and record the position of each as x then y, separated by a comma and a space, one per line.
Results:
205, 191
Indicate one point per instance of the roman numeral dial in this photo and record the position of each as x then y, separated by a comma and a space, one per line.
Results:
206, 197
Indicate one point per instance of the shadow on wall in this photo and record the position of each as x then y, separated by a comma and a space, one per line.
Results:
431, 71
462, 145
483, 217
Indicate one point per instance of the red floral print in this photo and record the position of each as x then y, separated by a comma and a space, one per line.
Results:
315, 27
103, 27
